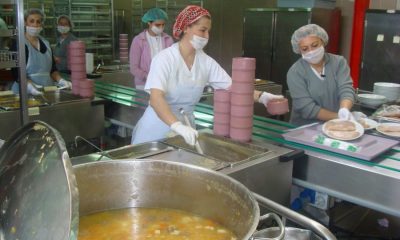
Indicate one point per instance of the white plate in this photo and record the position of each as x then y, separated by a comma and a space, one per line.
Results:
371, 123
391, 134
359, 129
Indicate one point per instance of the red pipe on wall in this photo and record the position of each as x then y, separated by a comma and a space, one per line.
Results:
357, 39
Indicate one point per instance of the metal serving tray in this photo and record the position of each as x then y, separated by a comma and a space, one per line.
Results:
221, 149
370, 146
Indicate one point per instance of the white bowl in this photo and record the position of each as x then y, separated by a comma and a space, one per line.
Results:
387, 84
371, 99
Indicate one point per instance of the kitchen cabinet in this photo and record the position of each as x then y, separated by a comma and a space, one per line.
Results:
381, 48
267, 33
93, 24
10, 59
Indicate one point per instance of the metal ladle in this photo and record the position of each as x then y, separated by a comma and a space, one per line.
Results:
187, 121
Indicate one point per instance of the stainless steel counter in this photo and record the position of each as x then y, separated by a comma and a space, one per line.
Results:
69, 114
265, 173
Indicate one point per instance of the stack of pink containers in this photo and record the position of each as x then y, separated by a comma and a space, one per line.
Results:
222, 110
80, 84
123, 48
242, 101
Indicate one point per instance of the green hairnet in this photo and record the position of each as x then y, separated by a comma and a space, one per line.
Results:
305, 31
154, 14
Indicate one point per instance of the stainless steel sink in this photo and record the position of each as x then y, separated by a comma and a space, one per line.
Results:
139, 151
221, 149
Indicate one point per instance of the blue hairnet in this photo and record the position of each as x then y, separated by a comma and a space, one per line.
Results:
305, 31
154, 14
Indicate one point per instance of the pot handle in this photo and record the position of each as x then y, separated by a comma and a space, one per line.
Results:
280, 225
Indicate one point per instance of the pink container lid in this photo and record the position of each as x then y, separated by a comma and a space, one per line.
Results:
243, 63
278, 106
86, 92
242, 111
79, 59
221, 129
221, 118
222, 95
77, 44
240, 134
246, 76
222, 107
242, 88
87, 83
242, 99
241, 122
78, 67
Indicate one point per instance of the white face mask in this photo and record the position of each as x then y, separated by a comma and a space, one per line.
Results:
33, 31
63, 29
198, 43
314, 56
157, 30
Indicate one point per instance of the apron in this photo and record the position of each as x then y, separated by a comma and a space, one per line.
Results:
38, 67
150, 127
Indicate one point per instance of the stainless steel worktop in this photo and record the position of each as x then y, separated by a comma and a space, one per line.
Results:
71, 115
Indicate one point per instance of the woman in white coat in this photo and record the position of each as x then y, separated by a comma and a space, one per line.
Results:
177, 78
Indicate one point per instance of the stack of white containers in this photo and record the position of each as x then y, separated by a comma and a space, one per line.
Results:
80, 84
222, 110
123, 48
390, 90
242, 101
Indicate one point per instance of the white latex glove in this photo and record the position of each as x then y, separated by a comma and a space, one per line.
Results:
189, 134
266, 97
358, 115
345, 114
64, 83
32, 90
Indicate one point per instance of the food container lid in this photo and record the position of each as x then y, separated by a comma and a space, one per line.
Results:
38, 191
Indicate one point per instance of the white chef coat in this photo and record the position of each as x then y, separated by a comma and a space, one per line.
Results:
183, 88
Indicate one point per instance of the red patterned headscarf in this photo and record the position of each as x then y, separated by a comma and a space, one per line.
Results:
187, 16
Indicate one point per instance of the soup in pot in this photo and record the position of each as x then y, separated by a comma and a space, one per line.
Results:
150, 223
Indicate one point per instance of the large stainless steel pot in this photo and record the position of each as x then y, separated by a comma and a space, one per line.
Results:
151, 183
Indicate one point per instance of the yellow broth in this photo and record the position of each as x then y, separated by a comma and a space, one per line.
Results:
150, 223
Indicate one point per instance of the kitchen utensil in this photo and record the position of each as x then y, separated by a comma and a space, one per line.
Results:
187, 121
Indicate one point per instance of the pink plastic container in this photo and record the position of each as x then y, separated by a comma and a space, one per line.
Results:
77, 59
242, 99
221, 129
244, 76
78, 75
241, 122
243, 63
222, 95
87, 83
242, 111
222, 107
77, 52
86, 92
123, 59
123, 54
123, 44
78, 67
123, 35
240, 134
242, 88
278, 106
223, 118
77, 44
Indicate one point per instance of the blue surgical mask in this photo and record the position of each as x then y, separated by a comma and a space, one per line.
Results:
198, 43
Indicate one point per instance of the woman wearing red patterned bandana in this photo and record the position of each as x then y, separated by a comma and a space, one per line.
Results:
177, 78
